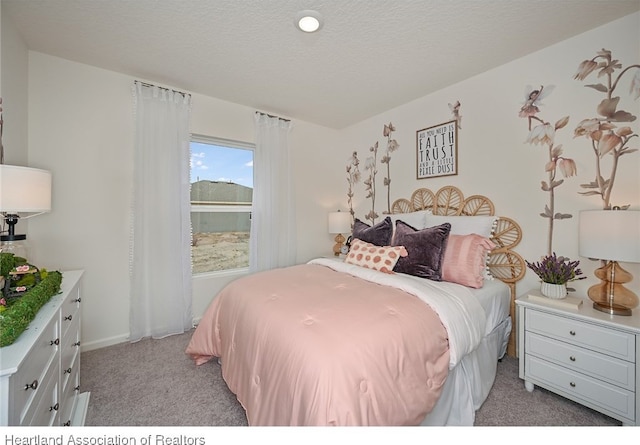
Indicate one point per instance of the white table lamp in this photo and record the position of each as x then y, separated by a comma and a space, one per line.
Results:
24, 192
339, 223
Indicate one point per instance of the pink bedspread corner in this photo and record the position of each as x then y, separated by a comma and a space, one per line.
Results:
204, 342
307, 345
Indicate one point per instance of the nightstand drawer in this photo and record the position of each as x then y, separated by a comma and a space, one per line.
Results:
597, 338
607, 398
604, 367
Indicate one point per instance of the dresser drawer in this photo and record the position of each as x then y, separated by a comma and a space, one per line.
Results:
70, 345
604, 367
69, 311
27, 384
69, 395
43, 411
606, 398
597, 338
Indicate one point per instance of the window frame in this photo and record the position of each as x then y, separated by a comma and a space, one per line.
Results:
222, 208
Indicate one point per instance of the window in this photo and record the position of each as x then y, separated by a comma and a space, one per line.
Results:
221, 196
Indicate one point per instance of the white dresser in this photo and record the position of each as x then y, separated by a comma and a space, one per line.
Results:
40, 371
582, 354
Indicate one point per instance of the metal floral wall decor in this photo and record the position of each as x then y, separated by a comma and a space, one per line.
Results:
544, 133
370, 183
392, 145
353, 177
455, 112
370, 166
606, 132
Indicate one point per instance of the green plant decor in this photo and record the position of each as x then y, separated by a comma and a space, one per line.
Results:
7, 262
16, 317
554, 269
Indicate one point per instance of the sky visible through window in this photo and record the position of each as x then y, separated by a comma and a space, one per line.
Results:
218, 163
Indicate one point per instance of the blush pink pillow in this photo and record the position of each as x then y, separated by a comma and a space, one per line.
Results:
465, 258
381, 258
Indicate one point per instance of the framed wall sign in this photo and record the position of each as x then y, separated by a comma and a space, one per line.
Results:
437, 151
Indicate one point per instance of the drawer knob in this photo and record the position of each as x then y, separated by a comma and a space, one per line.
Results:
67, 423
77, 388
67, 371
33, 385
55, 342
69, 317
76, 343
54, 407
572, 384
77, 300
572, 332
572, 358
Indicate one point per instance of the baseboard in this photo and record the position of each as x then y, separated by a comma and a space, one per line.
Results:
98, 344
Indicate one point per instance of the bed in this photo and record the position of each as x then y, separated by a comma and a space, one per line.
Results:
345, 342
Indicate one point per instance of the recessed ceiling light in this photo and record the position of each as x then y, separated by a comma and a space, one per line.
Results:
308, 21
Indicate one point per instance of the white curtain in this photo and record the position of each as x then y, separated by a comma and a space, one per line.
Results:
160, 263
273, 231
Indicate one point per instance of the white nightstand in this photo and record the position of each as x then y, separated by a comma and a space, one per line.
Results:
582, 354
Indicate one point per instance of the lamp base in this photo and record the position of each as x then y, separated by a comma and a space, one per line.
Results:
337, 247
12, 219
612, 309
17, 247
4, 238
610, 295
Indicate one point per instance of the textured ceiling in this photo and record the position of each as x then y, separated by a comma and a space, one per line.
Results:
370, 55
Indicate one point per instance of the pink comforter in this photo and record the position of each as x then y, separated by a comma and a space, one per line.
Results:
307, 345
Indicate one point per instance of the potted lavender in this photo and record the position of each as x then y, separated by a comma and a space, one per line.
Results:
555, 272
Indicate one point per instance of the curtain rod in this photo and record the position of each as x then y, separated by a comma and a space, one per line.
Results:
146, 84
272, 116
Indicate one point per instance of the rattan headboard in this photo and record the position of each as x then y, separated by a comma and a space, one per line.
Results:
504, 263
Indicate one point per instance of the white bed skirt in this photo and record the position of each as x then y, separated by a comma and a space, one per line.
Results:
469, 383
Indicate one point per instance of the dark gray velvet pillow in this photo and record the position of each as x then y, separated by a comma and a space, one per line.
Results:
425, 250
379, 234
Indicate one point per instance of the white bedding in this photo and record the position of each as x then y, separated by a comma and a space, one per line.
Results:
469, 383
495, 298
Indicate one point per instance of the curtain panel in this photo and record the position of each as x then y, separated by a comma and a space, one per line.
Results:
273, 232
160, 255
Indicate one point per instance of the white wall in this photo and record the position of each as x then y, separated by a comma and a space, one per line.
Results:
80, 126
13, 90
493, 158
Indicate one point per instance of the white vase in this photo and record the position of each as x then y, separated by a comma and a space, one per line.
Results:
556, 291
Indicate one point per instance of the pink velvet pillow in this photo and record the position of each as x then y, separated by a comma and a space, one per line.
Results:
381, 258
465, 258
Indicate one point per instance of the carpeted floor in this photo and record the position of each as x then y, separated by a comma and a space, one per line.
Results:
153, 383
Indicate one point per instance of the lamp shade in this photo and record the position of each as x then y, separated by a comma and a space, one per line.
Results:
339, 222
612, 235
24, 190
